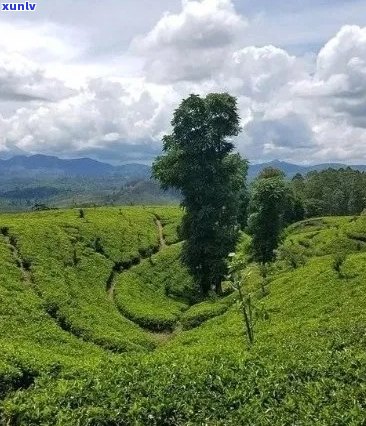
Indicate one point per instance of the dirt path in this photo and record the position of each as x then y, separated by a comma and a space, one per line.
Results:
161, 233
160, 337
111, 283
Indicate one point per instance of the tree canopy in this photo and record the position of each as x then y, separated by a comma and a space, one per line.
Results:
331, 192
271, 204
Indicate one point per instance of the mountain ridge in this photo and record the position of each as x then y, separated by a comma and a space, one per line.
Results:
84, 166
52, 165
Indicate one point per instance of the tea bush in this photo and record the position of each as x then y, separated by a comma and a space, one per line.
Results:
307, 365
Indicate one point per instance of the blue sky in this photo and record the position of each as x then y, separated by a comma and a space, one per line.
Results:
301, 26
102, 78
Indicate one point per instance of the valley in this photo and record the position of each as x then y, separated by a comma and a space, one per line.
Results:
102, 324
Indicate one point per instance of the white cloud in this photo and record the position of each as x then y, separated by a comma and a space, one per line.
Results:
43, 42
263, 71
191, 45
23, 80
291, 107
101, 115
338, 85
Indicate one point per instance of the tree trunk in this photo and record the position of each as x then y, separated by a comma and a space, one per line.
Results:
218, 287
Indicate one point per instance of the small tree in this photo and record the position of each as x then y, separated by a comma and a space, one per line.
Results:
292, 254
238, 274
4, 231
98, 246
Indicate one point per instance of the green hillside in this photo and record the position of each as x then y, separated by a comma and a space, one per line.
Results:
100, 324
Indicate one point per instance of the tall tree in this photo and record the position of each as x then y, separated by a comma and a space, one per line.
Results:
199, 161
267, 207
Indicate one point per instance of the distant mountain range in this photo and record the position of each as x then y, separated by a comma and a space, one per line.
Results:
49, 181
46, 165
50, 166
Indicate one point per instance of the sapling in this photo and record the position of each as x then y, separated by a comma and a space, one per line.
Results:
98, 247
338, 262
237, 274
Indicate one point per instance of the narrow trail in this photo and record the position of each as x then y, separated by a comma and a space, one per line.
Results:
162, 336
356, 237
161, 233
111, 282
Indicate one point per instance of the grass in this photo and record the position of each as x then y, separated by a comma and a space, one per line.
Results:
307, 365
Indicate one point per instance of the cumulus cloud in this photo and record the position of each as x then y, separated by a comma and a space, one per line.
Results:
23, 50
103, 116
338, 85
191, 45
23, 80
264, 70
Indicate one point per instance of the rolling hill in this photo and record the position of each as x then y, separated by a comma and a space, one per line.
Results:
100, 324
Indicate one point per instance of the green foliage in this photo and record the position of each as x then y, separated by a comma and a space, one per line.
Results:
271, 172
154, 293
267, 207
70, 262
206, 310
170, 218
292, 254
324, 236
198, 161
331, 192
306, 366
31, 341
338, 262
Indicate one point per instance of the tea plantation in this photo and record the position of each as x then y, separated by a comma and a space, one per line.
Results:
100, 324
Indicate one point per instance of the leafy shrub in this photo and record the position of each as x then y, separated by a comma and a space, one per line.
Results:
204, 311
153, 294
4, 231
293, 255
338, 262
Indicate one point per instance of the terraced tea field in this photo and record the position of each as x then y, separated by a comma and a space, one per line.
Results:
100, 324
